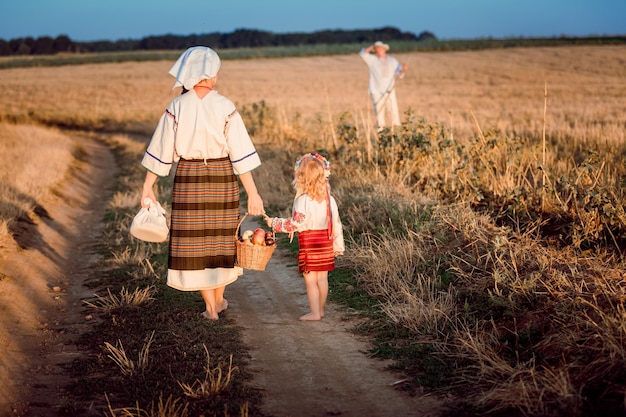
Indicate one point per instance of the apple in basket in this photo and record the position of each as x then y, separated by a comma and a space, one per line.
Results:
258, 237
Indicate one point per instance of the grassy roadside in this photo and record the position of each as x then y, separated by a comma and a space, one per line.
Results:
456, 267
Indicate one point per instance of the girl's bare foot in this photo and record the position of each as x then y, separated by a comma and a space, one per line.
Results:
209, 316
224, 306
310, 317
322, 314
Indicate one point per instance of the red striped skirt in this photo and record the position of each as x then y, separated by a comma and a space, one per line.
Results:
204, 215
316, 251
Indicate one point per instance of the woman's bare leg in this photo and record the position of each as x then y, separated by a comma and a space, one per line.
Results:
210, 304
220, 302
313, 295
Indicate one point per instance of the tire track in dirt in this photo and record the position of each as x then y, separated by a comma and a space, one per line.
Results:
310, 369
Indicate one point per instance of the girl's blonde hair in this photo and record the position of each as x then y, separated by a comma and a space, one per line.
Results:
310, 178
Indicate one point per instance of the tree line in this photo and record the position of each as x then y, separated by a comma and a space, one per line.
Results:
240, 38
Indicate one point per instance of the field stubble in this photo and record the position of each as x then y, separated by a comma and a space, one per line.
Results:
503, 88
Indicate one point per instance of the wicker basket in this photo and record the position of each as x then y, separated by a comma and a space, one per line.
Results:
252, 256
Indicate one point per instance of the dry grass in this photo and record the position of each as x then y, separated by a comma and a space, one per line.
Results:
170, 407
126, 298
413, 296
129, 367
537, 328
28, 177
215, 380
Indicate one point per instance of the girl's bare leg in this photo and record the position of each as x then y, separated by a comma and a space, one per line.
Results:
313, 295
209, 300
322, 285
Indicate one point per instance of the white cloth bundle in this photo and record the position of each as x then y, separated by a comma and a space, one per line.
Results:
150, 224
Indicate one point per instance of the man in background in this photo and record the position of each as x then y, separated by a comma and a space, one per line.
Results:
384, 70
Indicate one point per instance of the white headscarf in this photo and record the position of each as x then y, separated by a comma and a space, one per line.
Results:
195, 64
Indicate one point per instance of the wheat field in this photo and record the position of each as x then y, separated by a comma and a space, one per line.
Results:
503, 88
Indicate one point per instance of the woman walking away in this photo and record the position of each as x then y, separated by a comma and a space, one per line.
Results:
315, 217
202, 133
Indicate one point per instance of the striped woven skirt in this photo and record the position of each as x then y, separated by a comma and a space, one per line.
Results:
316, 251
204, 215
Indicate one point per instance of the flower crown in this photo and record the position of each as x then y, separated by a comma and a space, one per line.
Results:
317, 156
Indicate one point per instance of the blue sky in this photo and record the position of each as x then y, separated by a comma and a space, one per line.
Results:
88, 20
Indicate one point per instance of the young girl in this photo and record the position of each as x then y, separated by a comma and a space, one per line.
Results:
316, 219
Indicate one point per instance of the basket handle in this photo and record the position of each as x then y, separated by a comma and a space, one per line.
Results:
241, 221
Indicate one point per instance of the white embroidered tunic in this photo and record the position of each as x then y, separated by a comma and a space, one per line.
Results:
382, 71
200, 128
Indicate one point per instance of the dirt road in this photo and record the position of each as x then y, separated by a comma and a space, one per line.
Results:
303, 368
311, 369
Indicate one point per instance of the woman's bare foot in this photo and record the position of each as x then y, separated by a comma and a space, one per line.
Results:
209, 316
310, 317
224, 306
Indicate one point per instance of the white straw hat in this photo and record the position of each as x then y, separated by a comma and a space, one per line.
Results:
380, 44
195, 64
